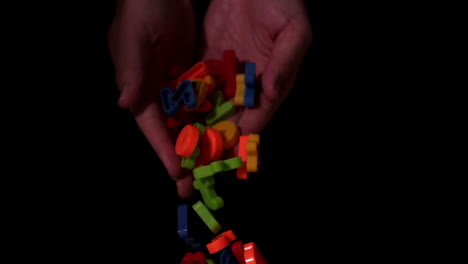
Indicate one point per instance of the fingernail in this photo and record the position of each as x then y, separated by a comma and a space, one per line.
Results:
123, 96
185, 187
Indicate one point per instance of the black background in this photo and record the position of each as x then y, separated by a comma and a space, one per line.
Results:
104, 195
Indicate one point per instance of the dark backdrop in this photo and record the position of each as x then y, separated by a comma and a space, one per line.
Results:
107, 196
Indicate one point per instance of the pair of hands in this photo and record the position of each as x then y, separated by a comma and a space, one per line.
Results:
148, 38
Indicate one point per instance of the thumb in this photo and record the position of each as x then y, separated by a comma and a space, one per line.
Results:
279, 75
289, 50
129, 45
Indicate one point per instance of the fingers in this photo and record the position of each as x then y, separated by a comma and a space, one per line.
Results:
144, 43
279, 75
151, 122
289, 49
185, 186
152, 125
130, 46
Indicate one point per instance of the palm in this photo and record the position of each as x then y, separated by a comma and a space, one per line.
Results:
147, 39
229, 25
146, 42
266, 32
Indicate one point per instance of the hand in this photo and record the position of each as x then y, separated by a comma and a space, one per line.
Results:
274, 34
147, 39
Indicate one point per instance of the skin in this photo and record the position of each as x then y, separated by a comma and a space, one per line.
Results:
274, 34
149, 38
